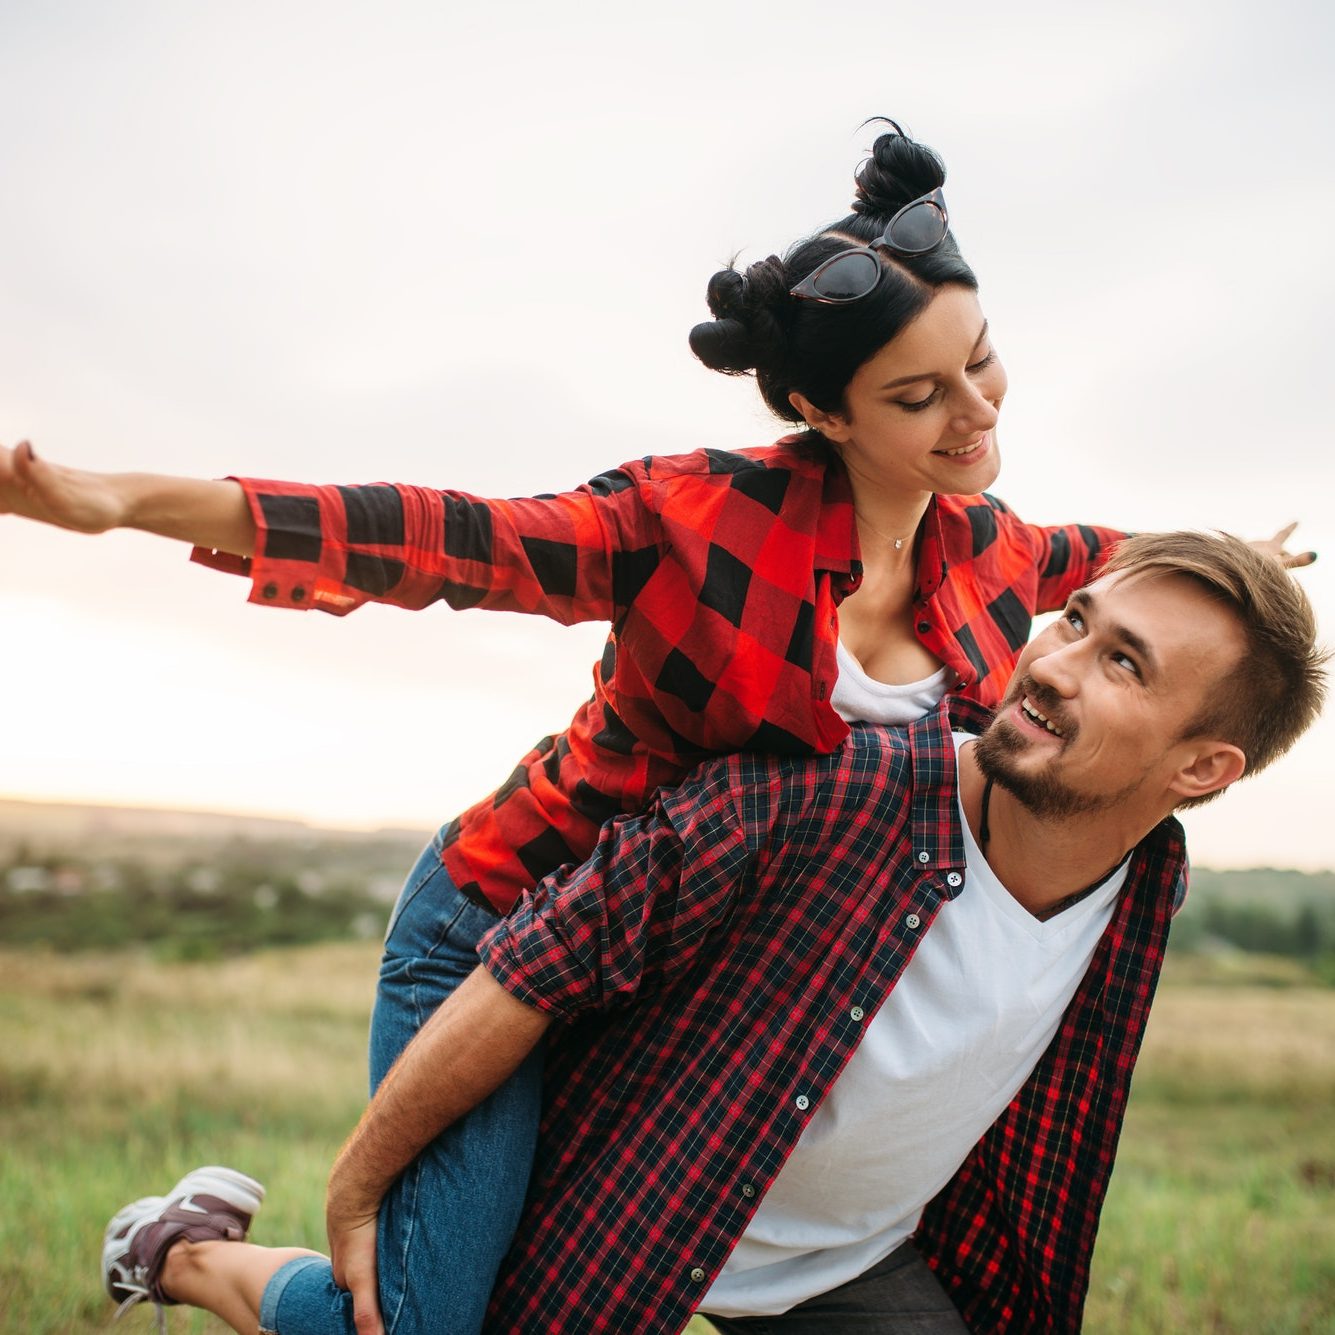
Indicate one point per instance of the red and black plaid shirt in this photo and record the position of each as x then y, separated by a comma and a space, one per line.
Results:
720, 573
717, 961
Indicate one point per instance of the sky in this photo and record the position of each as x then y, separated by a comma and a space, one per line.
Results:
348, 244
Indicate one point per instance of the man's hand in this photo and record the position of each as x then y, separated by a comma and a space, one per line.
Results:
66, 497
1275, 547
352, 1252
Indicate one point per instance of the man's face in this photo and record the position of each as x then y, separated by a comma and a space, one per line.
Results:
1101, 698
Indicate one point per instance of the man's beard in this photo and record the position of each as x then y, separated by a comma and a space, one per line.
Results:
1041, 792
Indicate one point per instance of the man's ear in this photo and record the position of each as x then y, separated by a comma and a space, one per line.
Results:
831, 425
1210, 766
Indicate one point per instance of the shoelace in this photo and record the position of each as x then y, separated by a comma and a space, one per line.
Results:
140, 1295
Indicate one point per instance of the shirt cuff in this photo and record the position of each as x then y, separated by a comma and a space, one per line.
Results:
534, 962
290, 544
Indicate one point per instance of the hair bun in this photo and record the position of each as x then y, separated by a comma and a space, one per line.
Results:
748, 331
898, 171
723, 345
726, 293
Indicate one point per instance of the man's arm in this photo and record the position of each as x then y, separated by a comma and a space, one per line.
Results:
469, 1047
585, 939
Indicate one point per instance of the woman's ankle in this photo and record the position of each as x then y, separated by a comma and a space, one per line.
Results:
226, 1278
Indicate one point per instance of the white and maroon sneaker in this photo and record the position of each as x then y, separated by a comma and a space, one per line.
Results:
208, 1205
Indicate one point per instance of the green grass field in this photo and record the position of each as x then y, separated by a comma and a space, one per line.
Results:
118, 1074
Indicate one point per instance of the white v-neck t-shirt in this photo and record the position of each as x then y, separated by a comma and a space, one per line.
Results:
958, 1036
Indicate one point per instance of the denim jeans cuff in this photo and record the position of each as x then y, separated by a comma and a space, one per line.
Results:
277, 1286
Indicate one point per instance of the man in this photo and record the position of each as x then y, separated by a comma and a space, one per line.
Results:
824, 1020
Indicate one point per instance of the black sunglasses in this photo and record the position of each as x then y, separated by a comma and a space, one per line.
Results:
920, 226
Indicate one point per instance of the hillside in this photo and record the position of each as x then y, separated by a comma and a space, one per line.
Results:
202, 883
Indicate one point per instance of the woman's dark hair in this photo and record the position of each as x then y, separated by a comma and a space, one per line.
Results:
812, 347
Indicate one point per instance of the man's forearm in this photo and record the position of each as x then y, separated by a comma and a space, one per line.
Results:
469, 1047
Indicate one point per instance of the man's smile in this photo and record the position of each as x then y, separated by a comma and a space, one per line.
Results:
1039, 719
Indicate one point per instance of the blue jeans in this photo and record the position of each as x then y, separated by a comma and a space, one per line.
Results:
447, 1222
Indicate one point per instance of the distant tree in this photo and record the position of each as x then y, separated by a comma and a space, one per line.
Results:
1309, 932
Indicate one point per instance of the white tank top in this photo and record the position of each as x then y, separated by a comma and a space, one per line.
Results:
858, 698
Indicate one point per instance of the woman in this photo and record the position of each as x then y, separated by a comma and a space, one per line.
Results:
758, 600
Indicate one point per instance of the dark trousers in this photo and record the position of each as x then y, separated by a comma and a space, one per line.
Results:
900, 1294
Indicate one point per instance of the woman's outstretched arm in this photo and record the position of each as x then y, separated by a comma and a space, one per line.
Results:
580, 555
203, 513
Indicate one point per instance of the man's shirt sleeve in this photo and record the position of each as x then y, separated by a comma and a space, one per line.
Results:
571, 557
599, 935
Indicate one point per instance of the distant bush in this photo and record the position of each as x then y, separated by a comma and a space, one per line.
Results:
192, 911
1262, 910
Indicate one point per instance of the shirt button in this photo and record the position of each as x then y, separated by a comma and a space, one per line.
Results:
270, 591
298, 594
856, 1013
748, 1190
953, 879
924, 627
802, 1102
924, 856
697, 1276
913, 922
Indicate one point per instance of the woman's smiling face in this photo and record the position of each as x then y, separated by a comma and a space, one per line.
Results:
920, 414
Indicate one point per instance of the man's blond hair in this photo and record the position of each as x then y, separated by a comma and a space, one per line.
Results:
1273, 694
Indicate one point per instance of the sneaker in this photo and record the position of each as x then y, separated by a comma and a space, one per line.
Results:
208, 1205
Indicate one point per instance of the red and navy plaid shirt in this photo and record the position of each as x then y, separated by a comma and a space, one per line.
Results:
716, 963
720, 573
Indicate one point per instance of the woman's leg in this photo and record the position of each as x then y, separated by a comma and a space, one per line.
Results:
188, 1246
226, 1278
447, 1223
444, 1227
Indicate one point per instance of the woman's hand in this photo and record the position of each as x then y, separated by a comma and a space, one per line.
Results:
67, 497
1275, 547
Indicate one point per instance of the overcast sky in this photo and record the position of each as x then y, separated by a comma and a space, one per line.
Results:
344, 243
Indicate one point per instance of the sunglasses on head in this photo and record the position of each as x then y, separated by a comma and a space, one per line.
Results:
920, 226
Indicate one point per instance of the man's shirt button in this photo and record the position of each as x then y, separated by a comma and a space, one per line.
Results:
857, 1013
298, 594
697, 1276
953, 879
270, 591
913, 922
924, 856
748, 1190
802, 1102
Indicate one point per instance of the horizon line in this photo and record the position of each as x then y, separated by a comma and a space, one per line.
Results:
410, 827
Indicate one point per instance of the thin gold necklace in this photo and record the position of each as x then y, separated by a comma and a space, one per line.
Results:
885, 537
